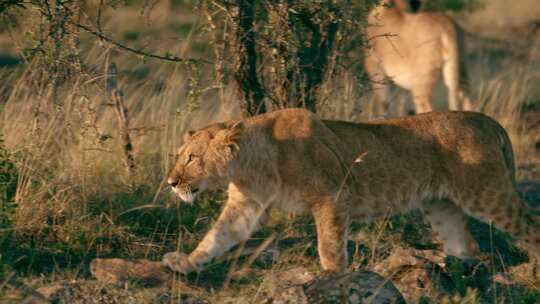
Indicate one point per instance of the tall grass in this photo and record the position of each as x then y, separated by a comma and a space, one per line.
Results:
72, 188
504, 97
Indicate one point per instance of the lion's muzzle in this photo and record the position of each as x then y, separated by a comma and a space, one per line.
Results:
172, 182
185, 191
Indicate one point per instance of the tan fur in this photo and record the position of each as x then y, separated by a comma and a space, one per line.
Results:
412, 49
447, 164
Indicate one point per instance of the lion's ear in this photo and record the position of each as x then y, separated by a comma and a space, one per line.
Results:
234, 132
188, 135
228, 137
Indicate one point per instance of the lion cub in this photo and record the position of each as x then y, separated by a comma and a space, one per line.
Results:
449, 165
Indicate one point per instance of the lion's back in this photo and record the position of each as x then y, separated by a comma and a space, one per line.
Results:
451, 139
430, 144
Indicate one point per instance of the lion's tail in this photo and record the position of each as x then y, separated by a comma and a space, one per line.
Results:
499, 138
508, 153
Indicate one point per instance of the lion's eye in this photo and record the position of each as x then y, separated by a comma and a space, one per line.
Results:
190, 158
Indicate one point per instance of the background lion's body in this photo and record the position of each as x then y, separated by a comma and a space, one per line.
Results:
412, 49
448, 164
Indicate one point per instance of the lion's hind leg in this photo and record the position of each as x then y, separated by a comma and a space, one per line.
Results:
503, 207
450, 223
513, 215
422, 93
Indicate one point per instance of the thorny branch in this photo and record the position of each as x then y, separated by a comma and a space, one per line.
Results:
140, 52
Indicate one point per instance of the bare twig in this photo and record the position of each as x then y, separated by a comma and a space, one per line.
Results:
117, 99
166, 57
230, 274
262, 247
358, 160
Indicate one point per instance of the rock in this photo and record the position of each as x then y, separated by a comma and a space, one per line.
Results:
294, 276
288, 285
298, 285
117, 271
358, 287
406, 268
290, 295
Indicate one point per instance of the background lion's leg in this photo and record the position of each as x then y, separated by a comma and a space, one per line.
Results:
450, 223
332, 223
239, 218
465, 101
458, 97
381, 96
422, 94
422, 103
379, 85
450, 74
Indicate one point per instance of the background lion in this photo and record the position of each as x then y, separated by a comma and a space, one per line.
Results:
412, 49
447, 164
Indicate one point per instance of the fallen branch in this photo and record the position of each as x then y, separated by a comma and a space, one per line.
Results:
154, 272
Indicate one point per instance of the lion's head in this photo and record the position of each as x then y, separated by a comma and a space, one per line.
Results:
204, 158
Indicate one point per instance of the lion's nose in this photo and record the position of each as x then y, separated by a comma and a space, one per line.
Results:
172, 182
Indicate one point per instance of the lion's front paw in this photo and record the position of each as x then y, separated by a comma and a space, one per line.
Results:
178, 262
